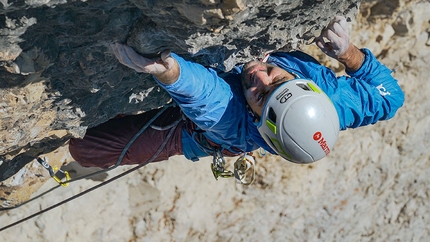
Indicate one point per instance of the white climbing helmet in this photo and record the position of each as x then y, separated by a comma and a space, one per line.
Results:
299, 122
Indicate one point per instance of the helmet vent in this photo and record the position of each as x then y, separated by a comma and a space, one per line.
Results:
272, 115
304, 86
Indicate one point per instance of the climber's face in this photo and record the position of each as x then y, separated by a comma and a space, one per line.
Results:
259, 80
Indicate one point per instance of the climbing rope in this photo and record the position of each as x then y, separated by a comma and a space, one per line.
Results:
121, 157
244, 170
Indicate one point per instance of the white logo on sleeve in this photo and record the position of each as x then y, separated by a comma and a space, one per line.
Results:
382, 90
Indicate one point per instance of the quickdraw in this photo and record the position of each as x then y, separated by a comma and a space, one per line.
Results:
56, 173
244, 168
218, 166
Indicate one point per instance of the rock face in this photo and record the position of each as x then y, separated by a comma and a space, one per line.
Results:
58, 76
372, 187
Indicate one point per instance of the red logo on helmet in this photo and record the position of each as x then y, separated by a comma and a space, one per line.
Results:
317, 136
322, 142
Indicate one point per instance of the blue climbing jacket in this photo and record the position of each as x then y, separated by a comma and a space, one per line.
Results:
218, 107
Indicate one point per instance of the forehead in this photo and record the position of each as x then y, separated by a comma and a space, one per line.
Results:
257, 63
251, 63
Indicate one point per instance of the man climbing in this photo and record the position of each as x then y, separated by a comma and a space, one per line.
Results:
288, 104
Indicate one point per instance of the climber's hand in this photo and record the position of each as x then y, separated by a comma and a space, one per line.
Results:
334, 39
334, 42
164, 68
127, 56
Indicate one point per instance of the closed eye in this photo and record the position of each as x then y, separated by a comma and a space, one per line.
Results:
261, 99
261, 96
269, 69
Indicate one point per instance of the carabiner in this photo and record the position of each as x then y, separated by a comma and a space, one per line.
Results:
60, 175
244, 169
218, 166
218, 160
57, 174
224, 174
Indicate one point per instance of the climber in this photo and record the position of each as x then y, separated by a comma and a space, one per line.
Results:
288, 104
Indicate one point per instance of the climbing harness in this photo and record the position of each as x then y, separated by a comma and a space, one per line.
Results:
57, 174
218, 166
244, 169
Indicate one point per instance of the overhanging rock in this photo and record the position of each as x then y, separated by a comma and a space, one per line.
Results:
58, 76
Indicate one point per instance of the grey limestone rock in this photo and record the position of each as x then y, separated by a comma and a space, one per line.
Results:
58, 76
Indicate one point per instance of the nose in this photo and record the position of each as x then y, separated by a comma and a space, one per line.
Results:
262, 81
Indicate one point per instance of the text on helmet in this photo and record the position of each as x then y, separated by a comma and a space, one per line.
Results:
322, 142
284, 95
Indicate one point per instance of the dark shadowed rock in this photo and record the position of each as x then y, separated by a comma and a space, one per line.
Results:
58, 76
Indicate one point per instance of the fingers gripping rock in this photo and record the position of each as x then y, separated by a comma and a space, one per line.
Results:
334, 39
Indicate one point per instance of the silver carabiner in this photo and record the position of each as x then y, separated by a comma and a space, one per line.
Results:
218, 160
244, 169
218, 166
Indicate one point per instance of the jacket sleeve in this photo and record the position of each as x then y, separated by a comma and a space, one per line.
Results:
379, 76
367, 95
364, 97
200, 93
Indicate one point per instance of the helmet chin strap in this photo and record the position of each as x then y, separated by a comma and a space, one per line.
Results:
255, 117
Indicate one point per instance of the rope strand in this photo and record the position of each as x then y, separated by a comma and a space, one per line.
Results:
169, 135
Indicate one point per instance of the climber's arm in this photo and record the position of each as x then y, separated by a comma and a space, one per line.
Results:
201, 94
369, 93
